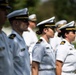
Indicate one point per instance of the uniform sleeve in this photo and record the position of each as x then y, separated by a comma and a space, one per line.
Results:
37, 53
62, 52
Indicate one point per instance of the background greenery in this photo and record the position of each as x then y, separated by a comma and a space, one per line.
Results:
61, 9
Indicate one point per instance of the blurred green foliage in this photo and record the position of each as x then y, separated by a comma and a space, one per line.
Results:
19, 4
74, 43
65, 9
61, 9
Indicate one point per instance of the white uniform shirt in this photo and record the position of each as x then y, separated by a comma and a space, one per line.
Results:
67, 54
55, 41
20, 55
30, 39
6, 60
43, 53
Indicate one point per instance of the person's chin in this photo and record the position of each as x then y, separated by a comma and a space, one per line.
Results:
52, 36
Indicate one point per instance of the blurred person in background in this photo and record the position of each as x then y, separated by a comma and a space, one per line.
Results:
6, 63
43, 56
19, 23
30, 36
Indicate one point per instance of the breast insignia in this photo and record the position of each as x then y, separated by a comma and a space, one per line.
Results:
62, 43
39, 41
12, 36
47, 48
70, 48
23, 49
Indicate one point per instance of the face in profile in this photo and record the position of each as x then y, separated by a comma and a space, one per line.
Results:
71, 35
50, 33
22, 25
32, 24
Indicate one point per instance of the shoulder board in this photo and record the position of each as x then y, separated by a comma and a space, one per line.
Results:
62, 43
12, 36
39, 41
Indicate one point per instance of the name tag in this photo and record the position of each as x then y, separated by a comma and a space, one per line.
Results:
47, 48
23, 49
70, 48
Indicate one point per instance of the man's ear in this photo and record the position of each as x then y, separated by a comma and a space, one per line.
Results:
14, 23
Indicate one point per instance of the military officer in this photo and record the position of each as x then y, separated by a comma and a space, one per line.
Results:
19, 23
6, 63
43, 57
30, 36
57, 39
66, 53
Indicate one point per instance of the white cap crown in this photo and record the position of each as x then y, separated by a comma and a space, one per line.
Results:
70, 24
60, 23
51, 20
33, 17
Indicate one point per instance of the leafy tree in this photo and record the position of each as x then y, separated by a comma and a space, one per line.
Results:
65, 9
19, 4
62, 9
45, 10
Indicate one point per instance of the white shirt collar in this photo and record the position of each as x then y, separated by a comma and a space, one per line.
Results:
44, 40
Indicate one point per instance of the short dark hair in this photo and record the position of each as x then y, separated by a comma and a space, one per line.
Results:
40, 29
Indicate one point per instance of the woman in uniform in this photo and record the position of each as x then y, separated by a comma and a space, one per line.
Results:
43, 57
66, 53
